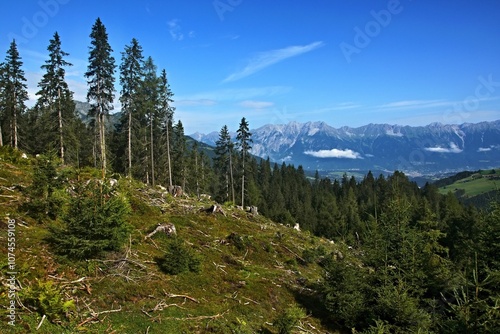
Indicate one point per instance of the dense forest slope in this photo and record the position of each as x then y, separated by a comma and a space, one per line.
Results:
398, 259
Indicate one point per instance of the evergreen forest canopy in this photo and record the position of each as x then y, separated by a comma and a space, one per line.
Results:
426, 262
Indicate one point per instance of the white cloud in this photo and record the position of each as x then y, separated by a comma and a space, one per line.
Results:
409, 104
335, 153
175, 30
438, 149
256, 104
484, 149
237, 94
268, 58
195, 102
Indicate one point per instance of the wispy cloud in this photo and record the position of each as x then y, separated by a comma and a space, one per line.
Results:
410, 104
255, 104
237, 94
195, 103
175, 30
268, 58
335, 153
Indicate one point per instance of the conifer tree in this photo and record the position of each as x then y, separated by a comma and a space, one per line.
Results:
244, 138
100, 80
131, 76
166, 115
224, 162
179, 155
14, 94
55, 101
151, 95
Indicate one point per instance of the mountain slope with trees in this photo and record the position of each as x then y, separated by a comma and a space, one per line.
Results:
129, 226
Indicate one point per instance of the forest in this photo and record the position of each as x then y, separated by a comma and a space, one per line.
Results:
425, 262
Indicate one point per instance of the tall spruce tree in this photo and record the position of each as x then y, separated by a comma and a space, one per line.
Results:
55, 100
224, 163
179, 155
150, 93
166, 111
100, 80
131, 76
14, 94
244, 140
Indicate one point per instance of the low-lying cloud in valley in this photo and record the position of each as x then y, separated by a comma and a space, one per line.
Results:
335, 153
438, 149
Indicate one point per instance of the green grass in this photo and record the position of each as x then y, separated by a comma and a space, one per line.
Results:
476, 184
242, 285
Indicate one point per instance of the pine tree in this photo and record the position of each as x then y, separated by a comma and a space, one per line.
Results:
100, 80
179, 155
55, 101
131, 76
14, 94
94, 223
244, 138
224, 163
150, 92
166, 114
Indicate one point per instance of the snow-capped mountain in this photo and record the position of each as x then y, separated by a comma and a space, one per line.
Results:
430, 149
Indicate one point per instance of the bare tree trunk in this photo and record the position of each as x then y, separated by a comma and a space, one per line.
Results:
14, 125
197, 174
243, 182
103, 145
130, 143
102, 139
59, 114
231, 173
1, 137
168, 154
94, 147
152, 153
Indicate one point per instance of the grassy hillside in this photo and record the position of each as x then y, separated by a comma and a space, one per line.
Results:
252, 271
476, 184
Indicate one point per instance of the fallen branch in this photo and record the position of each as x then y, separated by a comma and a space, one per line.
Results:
94, 316
253, 301
201, 317
297, 256
41, 322
171, 295
162, 305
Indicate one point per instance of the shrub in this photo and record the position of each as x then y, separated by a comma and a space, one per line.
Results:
45, 197
95, 222
288, 319
178, 259
312, 255
47, 299
241, 243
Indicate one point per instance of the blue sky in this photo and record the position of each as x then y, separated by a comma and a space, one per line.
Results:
345, 62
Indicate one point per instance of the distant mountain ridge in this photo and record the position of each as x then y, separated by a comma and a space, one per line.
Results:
416, 150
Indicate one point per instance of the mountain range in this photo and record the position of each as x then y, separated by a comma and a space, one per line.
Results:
434, 149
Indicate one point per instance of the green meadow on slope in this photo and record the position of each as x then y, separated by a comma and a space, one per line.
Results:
251, 271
